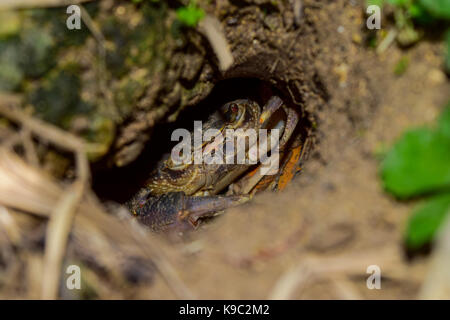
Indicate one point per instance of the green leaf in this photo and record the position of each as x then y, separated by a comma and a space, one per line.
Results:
190, 15
401, 66
415, 11
398, 2
375, 2
437, 8
418, 163
420, 14
444, 121
447, 45
426, 220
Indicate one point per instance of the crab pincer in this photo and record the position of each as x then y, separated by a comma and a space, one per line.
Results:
292, 118
179, 211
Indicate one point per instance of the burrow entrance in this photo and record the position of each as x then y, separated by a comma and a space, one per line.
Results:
120, 184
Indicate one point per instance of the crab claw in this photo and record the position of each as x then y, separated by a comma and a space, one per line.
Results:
291, 118
174, 209
291, 123
269, 109
198, 207
287, 126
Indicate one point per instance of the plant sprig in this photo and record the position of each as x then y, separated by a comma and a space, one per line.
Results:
418, 165
191, 14
408, 14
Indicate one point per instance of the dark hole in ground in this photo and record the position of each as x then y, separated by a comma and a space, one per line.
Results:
120, 184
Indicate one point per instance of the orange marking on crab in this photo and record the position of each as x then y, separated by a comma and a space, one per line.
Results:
291, 168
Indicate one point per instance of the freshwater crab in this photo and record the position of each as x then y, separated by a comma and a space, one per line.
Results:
179, 195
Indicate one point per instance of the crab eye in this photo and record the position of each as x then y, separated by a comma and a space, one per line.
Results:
234, 108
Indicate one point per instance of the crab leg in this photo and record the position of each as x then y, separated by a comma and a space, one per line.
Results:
249, 182
231, 176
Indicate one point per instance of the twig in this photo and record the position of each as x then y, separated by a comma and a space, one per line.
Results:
437, 282
310, 269
28, 145
96, 32
101, 73
291, 280
22, 4
345, 289
211, 28
274, 65
59, 227
52, 134
166, 269
26, 188
298, 11
387, 41
9, 225
62, 216
292, 95
56, 239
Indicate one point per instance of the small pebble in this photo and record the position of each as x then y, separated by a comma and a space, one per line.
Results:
436, 76
232, 21
356, 38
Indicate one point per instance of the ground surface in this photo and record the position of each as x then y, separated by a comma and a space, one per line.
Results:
334, 220
315, 239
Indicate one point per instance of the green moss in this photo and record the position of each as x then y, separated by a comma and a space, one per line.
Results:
39, 58
57, 98
53, 20
10, 23
36, 52
190, 15
401, 66
129, 90
10, 74
28, 54
101, 131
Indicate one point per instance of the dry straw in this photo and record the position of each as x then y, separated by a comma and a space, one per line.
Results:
70, 208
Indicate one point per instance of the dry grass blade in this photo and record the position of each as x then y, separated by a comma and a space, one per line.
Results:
59, 227
211, 28
387, 41
25, 188
21, 4
437, 283
57, 234
29, 189
9, 225
94, 29
310, 269
298, 10
30, 150
50, 133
